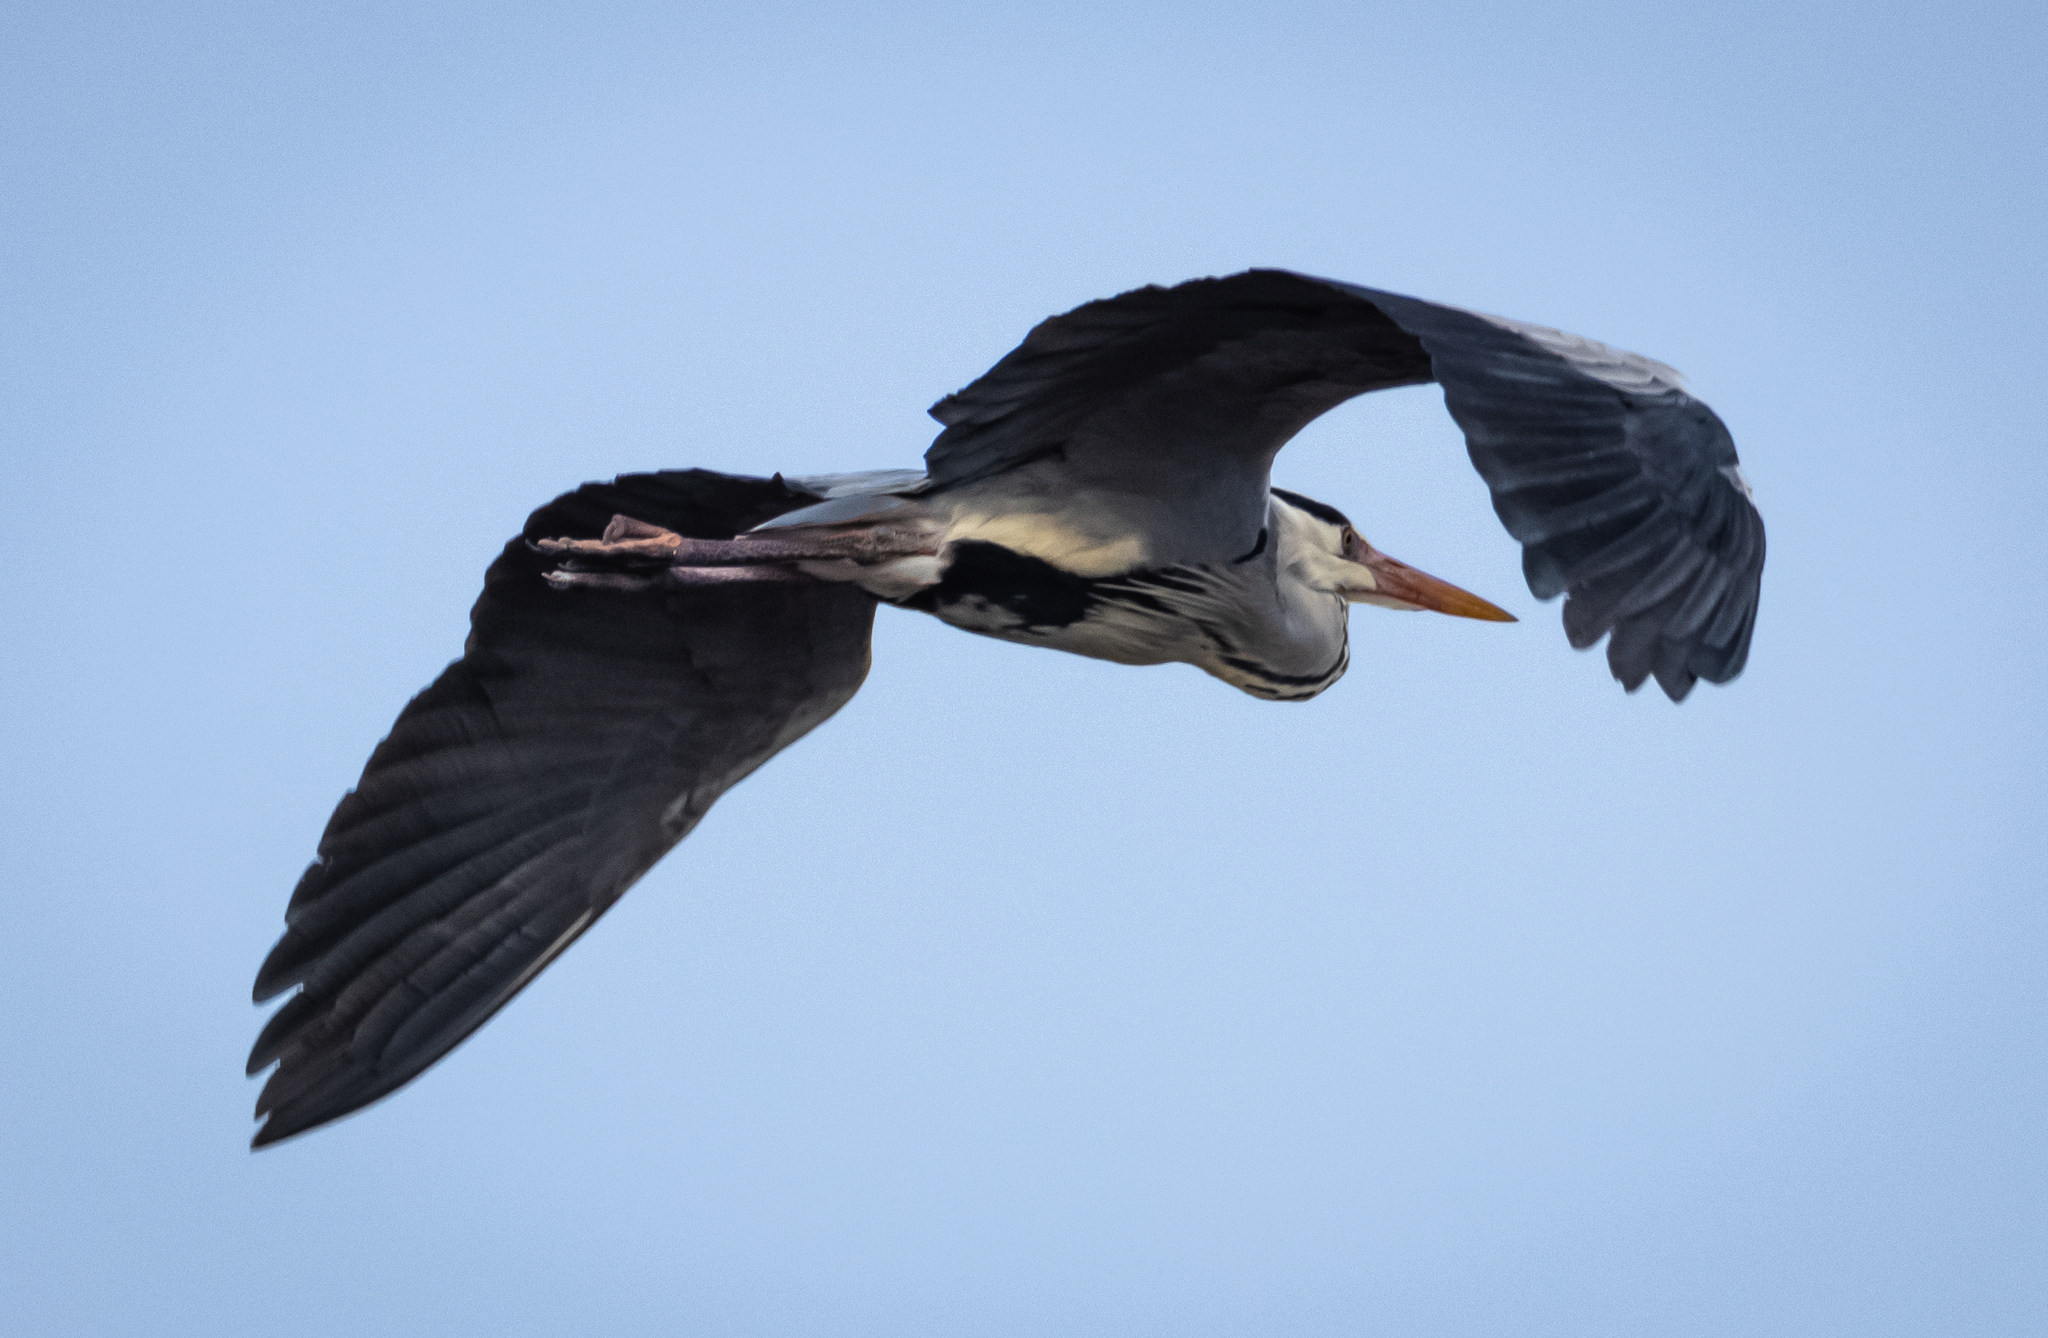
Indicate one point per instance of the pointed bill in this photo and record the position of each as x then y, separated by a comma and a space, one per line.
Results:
1398, 584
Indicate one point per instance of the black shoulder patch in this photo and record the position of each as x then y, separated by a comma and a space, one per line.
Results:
1031, 588
1320, 510
1257, 549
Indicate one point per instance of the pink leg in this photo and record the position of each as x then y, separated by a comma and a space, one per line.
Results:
672, 576
634, 555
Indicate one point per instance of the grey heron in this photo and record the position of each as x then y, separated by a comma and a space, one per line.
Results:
1104, 489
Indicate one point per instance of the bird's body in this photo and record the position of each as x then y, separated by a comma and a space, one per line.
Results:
1038, 581
1210, 615
1103, 490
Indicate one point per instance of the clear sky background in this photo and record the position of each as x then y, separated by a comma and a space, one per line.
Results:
1033, 995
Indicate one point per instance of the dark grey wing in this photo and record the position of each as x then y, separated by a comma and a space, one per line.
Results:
1179, 396
1623, 489
581, 735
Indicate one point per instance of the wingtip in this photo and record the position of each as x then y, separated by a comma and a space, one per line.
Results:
273, 1132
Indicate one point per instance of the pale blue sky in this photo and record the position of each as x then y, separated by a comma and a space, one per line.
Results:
1034, 995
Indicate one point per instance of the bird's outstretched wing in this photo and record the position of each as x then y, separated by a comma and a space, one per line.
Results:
581, 735
1623, 489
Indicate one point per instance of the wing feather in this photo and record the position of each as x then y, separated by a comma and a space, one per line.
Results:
581, 735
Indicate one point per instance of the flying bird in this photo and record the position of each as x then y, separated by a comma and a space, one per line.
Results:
1104, 489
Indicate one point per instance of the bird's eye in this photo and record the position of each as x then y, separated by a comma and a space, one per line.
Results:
1350, 540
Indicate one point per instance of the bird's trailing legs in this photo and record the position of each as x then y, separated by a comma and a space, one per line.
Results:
634, 555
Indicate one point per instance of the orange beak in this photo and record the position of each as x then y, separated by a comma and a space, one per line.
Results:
1400, 585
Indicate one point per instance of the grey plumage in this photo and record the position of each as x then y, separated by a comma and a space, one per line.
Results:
1624, 490
578, 738
1102, 489
1612, 476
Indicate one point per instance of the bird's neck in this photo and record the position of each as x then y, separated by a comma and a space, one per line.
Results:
1288, 640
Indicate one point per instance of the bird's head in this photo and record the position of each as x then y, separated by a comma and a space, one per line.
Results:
1321, 547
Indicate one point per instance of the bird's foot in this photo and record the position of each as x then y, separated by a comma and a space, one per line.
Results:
668, 578
634, 555
629, 543
626, 542
630, 555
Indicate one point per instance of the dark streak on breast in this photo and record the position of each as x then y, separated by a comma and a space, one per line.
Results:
1167, 580
1325, 677
1257, 549
1133, 599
